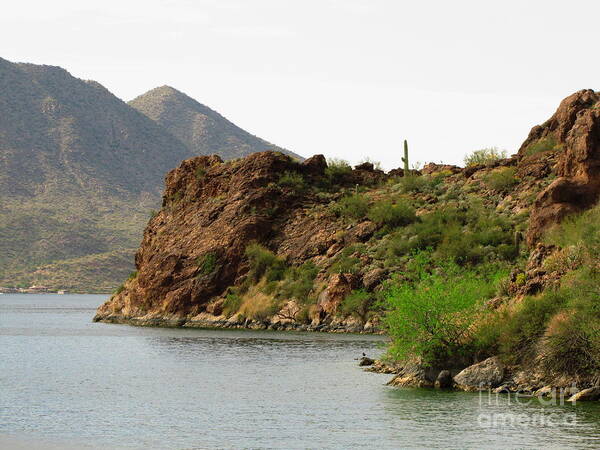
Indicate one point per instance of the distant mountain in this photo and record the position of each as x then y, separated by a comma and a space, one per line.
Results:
80, 172
201, 129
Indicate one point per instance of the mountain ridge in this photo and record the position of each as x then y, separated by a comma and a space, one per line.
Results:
203, 130
80, 172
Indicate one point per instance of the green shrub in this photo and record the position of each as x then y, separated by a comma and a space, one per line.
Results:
484, 156
337, 171
351, 207
412, 183
581, 231
463, 235
357, 304
303, 316
501, 179
298, 282
432, 317
542, 145
206, 264
264, 263
231, 304
132, 275
292, 180
346, 262
393, 215
120, 289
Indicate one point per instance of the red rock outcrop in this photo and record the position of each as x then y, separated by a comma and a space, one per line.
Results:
573, 136
194, 248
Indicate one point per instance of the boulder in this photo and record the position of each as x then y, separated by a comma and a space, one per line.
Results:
373, 278
444, 380
315, 165
481, 376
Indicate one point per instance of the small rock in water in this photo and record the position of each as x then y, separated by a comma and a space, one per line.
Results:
444, 380
366, 361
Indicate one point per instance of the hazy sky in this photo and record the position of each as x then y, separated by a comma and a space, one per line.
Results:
347, 78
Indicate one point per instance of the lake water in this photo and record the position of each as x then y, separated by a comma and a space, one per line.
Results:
66, 382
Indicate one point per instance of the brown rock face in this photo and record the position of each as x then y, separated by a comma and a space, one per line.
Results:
574, 131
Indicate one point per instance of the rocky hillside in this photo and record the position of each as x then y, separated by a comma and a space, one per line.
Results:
80, 173
202, 130
451, 262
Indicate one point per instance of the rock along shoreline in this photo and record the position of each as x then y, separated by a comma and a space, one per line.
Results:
216, 322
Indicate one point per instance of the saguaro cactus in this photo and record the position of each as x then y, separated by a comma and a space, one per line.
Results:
405, 159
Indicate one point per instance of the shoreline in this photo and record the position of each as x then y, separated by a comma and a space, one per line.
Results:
216, 322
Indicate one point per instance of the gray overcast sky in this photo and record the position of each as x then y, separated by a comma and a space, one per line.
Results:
347, 78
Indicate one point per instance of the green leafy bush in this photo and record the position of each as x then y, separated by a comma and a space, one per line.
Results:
393, 215
432, 317
484, 156
501, 179
351, 207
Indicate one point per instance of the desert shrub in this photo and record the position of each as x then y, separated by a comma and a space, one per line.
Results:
357, 304
484, 156
393, 215
432, 316
412, 183
346, 261
303, 316
520, 331
207, 263
292, 180
351, 207
579, 231
264, 263
565, 259
542, 145
565, 320
462, 235
501, 179
298, 282
200, 173
231, 304
337, 170
259, 307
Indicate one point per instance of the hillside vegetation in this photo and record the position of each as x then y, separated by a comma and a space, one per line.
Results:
80, 173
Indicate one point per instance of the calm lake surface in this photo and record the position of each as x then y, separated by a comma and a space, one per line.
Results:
66, 382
